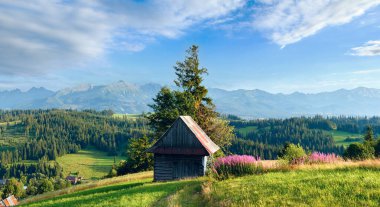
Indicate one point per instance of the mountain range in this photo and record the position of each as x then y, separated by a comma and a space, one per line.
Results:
123, 97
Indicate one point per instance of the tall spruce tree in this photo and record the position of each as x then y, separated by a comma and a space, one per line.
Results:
190, 99
369, 137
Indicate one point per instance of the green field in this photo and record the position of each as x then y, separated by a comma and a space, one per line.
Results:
90, 163
10, 123
346, 186
246, 130
12, 136
340, 187
340, 136
135, 193
127, 116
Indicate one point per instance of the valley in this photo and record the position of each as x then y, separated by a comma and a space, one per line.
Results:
90, 163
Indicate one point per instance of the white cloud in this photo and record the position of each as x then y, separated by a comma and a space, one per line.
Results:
370, 48
364, 72
289, 21
38, 36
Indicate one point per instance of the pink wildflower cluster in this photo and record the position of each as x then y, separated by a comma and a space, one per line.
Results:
233, 160
236, 165
318, 157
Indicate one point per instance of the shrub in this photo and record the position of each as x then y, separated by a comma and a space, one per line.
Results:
318, 157
236, 165
45, 185
13, 187
358, 151
293, 154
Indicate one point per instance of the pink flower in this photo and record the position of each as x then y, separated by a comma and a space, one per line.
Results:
233, 160
318, 157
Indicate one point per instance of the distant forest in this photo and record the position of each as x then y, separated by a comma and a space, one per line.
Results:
44, 135
266, 137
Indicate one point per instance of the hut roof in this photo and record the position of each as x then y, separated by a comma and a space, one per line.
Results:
10, 201
198, 133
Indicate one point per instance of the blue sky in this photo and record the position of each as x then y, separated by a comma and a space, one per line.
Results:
273, 45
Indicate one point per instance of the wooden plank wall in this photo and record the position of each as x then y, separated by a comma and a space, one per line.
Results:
169, 167
180, 136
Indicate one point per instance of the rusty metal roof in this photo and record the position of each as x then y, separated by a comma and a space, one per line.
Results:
10, 201
207, 143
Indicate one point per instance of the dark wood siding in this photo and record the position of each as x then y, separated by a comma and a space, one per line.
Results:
169, 167
180, 136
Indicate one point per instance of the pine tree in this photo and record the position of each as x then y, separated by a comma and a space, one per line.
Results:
137, 157
369, 138
191, 99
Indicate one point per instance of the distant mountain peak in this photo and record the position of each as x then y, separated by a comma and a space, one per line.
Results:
38, 89
124, 97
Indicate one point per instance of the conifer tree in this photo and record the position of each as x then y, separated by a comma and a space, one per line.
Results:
190, 99
369, 138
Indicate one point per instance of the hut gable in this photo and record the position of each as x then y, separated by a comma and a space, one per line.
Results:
184, 137
182, 151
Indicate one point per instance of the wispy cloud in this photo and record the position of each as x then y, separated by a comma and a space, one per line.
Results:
370, 48
289, 21
38, 36
363, 72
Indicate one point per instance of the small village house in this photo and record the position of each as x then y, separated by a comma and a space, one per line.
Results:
74, 178
182, 151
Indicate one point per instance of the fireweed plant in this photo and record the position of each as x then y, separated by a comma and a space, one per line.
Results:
236, 165
318, 157
240, 165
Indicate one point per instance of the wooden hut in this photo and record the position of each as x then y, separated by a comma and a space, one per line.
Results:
182, 151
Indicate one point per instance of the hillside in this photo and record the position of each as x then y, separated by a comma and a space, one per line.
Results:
340, 184
123, 97
89, 162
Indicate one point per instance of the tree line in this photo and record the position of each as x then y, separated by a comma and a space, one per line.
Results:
53, 133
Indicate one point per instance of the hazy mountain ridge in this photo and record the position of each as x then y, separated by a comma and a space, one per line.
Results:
124, 97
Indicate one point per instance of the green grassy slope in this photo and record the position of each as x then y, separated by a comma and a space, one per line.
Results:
127, 116
246, 130
13, 135
141, 192
347, 186
339, 187
91, 163
340, 136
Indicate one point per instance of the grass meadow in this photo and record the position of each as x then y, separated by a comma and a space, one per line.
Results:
127, 116
328, 187
90, 163
12, 136
339, 137
337, 184
246, 130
